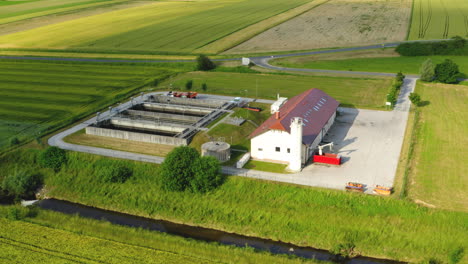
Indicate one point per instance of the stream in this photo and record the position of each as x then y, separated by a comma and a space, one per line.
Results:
200, 233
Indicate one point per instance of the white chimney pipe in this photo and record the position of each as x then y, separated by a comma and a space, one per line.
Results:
295, 161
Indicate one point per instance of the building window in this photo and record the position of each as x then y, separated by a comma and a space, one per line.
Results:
277, 149
260, 149
289, 150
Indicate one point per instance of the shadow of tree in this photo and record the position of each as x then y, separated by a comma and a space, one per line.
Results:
424, 103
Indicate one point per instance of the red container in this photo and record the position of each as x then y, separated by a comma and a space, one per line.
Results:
327, 158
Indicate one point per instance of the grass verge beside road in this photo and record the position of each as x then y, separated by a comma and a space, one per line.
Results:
407, 65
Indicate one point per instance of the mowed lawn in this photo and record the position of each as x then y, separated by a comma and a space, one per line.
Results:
38, 96
351, 92
407, 65
439, 19
172, 26
440, 174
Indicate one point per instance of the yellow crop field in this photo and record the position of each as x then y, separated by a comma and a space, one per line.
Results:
171, 26
439, 19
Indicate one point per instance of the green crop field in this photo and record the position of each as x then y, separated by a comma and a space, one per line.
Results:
407, 65
38, 96
168, 26
440, 175
12, 10
49, 237
352, 92
439, 19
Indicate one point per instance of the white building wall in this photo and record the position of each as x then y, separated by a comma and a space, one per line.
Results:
263, 147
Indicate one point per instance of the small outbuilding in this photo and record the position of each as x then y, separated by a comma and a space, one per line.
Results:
292, 134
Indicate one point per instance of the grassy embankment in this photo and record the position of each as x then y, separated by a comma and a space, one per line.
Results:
49, 237
38, 97
407, 65
438, 175
141, 28
438, 19
377, 226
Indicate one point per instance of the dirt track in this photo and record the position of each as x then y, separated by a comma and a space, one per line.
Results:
337, 23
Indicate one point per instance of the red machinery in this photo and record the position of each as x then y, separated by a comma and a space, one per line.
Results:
328, 158
192, 95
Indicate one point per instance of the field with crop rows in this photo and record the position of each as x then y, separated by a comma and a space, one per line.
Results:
439, 176
12, 10
36, 96
439, 19
172, 26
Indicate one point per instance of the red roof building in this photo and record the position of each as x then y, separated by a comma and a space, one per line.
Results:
317, 112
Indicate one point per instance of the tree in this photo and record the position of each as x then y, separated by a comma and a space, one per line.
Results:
14, 141
427, 71
189, 84
53, 158
400, 76
204, 87
207, 174
176, 172
458, 42
447, 72
415, 98
204, 63
21, 183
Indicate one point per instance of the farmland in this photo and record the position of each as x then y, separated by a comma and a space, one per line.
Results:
439, 19
408, 65
439, 172
353, 92
49, 237
36, 97
336, 23
12, 10
172, 26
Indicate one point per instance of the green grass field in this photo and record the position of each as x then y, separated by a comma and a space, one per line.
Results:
353, 92
378, 226
49, 237
36, 97
439, 19
439, 173
11, 11
407, 65
167, 26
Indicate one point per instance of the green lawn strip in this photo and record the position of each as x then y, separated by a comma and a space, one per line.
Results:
51, 237
439, 173
407, 65
265, 166
351, 92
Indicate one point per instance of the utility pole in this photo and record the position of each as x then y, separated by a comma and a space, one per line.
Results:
256, 89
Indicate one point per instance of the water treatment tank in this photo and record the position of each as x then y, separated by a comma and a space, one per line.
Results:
218, 149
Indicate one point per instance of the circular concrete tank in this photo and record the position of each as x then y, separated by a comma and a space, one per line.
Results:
218, 149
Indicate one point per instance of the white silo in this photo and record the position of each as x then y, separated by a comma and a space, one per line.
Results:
295, 163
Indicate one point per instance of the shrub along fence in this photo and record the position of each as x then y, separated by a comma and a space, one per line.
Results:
392, 95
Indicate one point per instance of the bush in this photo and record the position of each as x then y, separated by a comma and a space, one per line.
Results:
14, 141
184, 169
207, 174
112, 171
455, 46
204, 87
456, 255
53, 158
204, 63
189, 84
392, 95
415, 99
447, 72
176, 171
21, 183
427, 71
